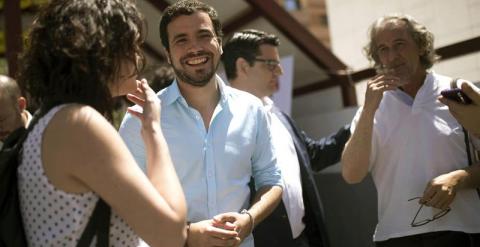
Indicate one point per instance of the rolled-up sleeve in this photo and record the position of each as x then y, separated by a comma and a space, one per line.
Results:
265, 169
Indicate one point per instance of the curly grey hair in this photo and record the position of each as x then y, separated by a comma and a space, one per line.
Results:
422, 37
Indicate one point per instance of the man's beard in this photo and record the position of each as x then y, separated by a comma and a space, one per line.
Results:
201, 77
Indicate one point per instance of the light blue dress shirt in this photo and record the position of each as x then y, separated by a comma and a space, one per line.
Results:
214, 166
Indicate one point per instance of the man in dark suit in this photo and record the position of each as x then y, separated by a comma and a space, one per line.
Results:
252, 64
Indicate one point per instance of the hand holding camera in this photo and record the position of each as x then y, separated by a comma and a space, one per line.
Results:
455, 93
464, 105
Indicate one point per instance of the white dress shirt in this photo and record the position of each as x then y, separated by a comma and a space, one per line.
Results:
287, 161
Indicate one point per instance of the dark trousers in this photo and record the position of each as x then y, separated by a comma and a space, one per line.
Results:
434, 239
301, 241
275, 231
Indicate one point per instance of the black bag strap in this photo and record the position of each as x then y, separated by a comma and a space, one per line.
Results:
467, 145
99, 225
453, 84
12, 232
469, 152
36, 116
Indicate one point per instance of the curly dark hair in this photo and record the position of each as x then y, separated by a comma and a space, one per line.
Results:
245, 44
75, 48
188, 7
420, 34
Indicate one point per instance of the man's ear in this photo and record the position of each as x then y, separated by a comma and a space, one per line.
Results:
22, 103
422, 51
167, 54
241, 66
219, 40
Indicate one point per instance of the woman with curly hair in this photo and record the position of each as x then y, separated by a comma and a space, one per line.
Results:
80, 54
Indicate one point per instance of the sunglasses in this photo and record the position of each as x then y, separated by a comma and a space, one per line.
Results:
436, 216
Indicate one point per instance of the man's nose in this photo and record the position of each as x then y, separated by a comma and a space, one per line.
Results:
392, 55
278, 71
194, 46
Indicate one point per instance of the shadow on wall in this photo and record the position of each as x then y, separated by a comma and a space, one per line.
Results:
350, 210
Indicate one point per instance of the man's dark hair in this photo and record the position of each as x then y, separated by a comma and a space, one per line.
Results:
245, 44
75, 49
188, 7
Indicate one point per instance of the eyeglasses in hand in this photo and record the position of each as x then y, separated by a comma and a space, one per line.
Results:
438, 215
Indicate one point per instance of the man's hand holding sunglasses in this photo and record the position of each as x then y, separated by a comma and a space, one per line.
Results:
440, 191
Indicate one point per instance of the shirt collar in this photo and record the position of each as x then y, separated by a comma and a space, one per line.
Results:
267, 103
222, 87
427, 89
172, 92
430, 84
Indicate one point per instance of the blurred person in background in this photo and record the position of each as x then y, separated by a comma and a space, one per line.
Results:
13, 110
159, 76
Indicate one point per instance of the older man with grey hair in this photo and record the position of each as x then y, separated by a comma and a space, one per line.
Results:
412, 145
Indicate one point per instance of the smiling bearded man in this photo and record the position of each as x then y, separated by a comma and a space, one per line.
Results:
219, 137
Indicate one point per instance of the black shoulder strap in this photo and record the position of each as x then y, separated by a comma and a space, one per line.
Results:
467, 145
453, 84
98, 225
12, 232
469, 152
36, 116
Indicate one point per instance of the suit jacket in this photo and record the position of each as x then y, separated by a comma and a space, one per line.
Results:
313, 155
